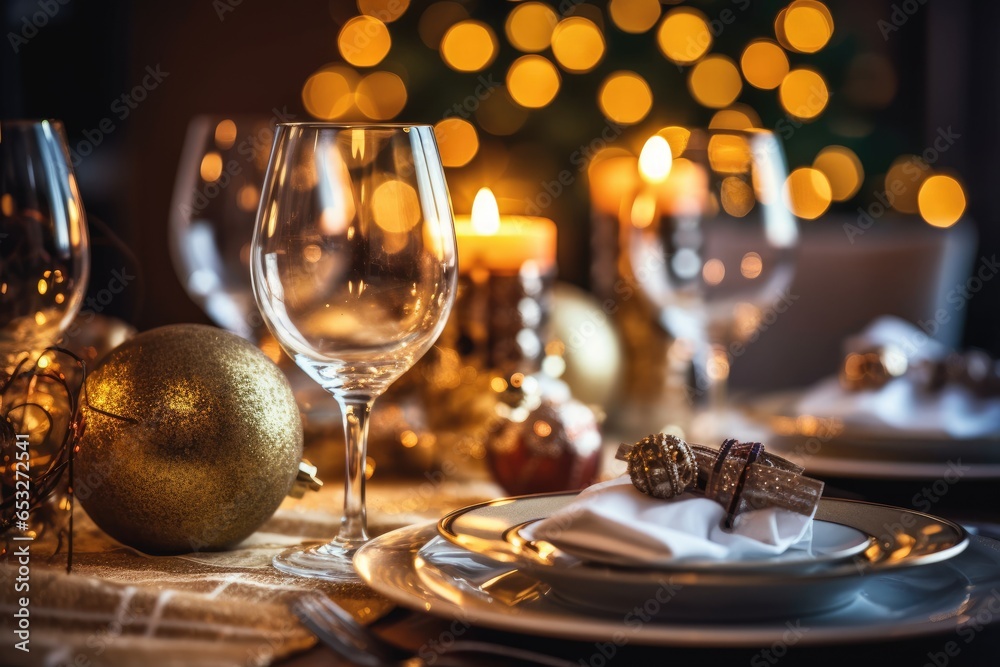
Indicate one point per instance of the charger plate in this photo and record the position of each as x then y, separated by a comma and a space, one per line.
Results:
415, 568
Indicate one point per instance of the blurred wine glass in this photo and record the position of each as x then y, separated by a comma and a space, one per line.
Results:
354, 269
44, 246
712, 243
212, 215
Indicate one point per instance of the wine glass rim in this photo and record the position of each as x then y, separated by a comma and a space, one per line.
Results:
353, 126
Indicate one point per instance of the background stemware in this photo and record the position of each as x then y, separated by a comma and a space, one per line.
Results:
711, 244
354, 269
44, 246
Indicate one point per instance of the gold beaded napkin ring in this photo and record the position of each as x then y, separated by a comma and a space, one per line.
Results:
740, 476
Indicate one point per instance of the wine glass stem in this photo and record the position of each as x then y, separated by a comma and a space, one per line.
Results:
354, 524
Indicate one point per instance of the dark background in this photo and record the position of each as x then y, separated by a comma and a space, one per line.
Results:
257, 56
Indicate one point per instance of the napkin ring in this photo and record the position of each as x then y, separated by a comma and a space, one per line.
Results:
660, 465
740, 476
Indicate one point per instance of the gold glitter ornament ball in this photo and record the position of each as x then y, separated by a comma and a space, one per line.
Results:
192, 440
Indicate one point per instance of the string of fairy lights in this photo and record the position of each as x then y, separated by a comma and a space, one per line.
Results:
556, 42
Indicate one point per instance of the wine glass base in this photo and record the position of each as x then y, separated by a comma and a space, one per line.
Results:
320, 561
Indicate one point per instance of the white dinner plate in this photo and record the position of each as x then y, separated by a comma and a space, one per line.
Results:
451, 583
897, 538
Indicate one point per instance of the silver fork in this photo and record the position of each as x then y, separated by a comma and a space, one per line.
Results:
338, 630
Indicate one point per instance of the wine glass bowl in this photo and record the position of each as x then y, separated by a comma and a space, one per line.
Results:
354, 269
213, 212
712, 241
44, 245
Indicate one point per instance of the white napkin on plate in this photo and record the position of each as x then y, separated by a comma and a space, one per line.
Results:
615, 522
900, 407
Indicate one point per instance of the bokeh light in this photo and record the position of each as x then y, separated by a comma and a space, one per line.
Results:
678, 138
903, 181
533, 81
529, 26
807, 25
385, 11
684, 35
211, 166
499, 115
469, 46
381, 95
436, 20
625, 97
715, 82
764, 64
803, 93
808, 193
729, 153
329, 93
736, 196
843, 169
871, 81
577, 44
941, 200
395, 206
225, 134
736, 117
364, 41
457, 141
634, 16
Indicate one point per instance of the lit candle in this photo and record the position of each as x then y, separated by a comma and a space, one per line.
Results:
503, 244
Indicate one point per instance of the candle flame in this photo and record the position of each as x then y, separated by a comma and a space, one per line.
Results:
485, 213
655, 159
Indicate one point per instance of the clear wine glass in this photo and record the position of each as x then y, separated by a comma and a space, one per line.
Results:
44, 246
712, 245
354, 269
212, 215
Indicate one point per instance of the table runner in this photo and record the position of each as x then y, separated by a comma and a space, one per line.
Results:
123, 608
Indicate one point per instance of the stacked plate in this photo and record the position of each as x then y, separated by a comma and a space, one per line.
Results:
875, 572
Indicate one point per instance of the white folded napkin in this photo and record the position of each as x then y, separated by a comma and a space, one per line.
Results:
900, 407
616, 523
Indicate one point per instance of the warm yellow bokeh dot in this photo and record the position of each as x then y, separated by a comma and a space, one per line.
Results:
529, 26
715, 82
211, 166
808, 193
457, 141
625, 98
329, 94
469, 46
764, 64
364, 41
385, 11
678, 138
729, 153
903, 181
737, 117
751, 265
684, 36
577, 44
941, 200
395, 206
843, 169
533, 81
381, 95
803, 93
634, 16
736, 196
225, 134
807, 25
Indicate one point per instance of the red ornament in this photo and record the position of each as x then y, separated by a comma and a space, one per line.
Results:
557, 447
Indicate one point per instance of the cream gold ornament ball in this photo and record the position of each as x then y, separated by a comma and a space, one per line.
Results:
192, 440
